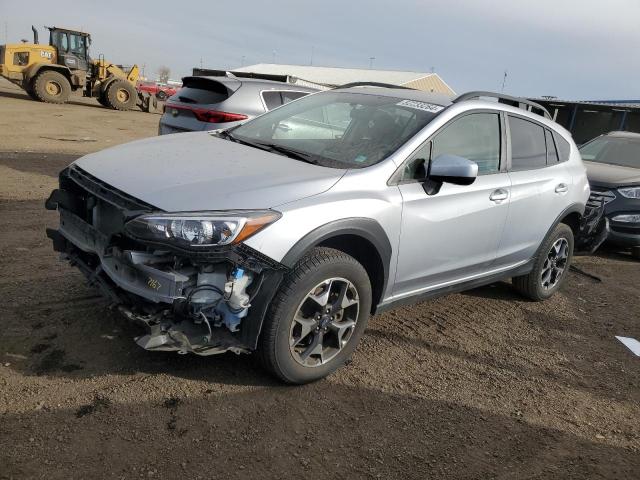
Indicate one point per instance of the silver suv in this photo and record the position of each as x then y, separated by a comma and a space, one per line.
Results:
210, 103
283, 235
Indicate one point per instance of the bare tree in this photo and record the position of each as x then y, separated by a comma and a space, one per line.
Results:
163, 74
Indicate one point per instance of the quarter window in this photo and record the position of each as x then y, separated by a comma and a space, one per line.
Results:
528, 146
288, 96
272, 99
552, 153
475, 137
564, 149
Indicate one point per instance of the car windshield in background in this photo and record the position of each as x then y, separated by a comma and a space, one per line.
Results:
339, 129
613, 151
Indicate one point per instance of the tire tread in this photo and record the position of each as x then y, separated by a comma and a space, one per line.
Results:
312, 260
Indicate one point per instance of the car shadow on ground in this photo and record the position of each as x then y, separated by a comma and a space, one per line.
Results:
323, 430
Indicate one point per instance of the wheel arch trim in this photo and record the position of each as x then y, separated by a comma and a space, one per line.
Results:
365, 228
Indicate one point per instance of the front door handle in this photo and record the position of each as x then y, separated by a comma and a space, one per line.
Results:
562, 188
499, 195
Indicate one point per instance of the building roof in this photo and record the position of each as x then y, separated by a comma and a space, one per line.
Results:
334, 76
590, 103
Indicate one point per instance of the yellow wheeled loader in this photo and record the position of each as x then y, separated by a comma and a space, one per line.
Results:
49, 73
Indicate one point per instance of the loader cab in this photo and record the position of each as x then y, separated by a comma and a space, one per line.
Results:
72, 47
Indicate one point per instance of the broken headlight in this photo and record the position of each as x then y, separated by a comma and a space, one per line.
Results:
200, 229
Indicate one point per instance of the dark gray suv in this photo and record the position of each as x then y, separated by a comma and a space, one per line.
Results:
211, 103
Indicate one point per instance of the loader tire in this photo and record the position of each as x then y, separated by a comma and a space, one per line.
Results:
27, 86
51, 87
102, 100
121, 95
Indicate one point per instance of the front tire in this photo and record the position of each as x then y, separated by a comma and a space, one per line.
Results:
316, 318
121, 95
551, 265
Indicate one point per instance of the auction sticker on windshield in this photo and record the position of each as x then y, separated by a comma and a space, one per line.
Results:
427, 107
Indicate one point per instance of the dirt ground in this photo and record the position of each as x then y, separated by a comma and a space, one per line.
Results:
477, 385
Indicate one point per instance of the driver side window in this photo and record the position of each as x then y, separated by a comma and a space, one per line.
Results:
475, 137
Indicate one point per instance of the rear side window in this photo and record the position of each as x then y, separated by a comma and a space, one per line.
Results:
203, 91
288, 96
528, 145
552, 153
274, 99
564, 149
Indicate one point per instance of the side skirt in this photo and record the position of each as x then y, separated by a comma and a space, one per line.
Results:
458, 287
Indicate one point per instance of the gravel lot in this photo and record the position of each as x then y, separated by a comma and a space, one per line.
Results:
470, 386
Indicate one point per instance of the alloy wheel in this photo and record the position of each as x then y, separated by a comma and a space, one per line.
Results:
555, 264
324, 322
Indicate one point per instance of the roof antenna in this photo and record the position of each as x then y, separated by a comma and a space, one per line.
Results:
504, 81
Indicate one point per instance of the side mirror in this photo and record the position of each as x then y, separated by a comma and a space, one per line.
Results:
450, 169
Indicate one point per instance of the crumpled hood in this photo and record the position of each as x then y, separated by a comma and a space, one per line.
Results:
605, 175
198, 171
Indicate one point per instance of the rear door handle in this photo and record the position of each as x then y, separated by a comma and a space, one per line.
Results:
499, 195
284, 127
562, 188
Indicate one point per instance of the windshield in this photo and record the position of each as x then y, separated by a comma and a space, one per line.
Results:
613, 151
339, 129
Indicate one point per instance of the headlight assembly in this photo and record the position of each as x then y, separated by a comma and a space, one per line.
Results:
627, 218
200, 229
630, 192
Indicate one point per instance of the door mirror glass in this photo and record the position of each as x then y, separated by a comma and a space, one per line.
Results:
447, 168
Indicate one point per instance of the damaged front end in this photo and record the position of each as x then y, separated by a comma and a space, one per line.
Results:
594, 228
191, 296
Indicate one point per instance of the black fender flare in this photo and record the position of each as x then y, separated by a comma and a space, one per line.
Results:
573, 208
365, 228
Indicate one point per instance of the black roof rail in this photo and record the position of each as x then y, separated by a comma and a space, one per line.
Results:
506, 99
372, 84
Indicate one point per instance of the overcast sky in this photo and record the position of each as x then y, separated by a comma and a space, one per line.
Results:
573, 49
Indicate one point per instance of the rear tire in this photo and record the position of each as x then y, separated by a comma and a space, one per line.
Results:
51, 87
302, 339
635, 252
121, 95
551, 265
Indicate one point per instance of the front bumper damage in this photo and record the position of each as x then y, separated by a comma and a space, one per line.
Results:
594, 228
202, 302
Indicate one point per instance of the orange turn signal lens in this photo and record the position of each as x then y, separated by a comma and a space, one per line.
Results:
254, 225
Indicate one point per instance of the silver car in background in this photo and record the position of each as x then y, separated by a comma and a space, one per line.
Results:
211, 103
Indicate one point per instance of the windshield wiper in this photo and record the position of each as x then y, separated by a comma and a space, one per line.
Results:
233, 138
270, 147
305, 157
